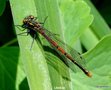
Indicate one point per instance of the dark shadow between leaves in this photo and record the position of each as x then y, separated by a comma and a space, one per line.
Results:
24, 85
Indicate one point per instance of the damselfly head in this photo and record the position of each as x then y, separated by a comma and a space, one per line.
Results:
28, 19
31, 17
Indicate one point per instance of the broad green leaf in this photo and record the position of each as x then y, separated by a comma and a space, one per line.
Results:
99, 62
99, 26
2, 6
97, 30
12, 75
50, 8
33, 60
89, 39
77, 18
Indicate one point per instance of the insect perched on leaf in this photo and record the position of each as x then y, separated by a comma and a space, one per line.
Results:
33, 26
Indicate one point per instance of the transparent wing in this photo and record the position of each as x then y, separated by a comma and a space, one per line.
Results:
75, 55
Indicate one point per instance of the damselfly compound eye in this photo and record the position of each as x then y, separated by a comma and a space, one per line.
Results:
31, 17
28, 19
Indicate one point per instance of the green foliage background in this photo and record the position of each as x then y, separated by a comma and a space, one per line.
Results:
78, 24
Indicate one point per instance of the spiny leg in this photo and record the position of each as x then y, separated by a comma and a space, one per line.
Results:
27, 33
44, 21
35, 18
18, 26
34, 37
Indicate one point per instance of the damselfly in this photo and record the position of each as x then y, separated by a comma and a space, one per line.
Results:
33, 26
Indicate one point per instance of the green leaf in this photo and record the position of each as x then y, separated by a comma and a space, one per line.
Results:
77, 18
97, 30
99, 62
99, 26
33, 60
50, 8
11, 70
2, 6
89, 39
